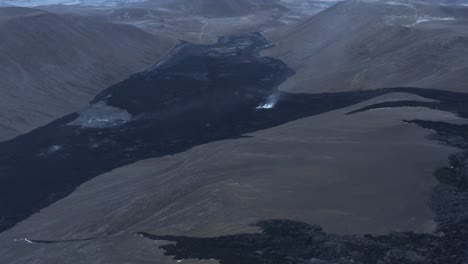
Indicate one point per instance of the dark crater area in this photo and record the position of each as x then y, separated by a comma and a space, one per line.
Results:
200, 94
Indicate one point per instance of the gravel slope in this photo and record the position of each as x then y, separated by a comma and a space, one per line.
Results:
53, 65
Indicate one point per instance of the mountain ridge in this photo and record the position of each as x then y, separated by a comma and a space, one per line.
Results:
367, 45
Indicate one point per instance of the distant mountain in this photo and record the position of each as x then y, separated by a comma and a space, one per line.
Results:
446, 2
308, 7
54, 64
366, 45
222, 8
33, 3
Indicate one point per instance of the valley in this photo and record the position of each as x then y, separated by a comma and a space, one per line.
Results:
248, 131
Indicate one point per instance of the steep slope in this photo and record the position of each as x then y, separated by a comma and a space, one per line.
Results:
54, 64
365, 45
